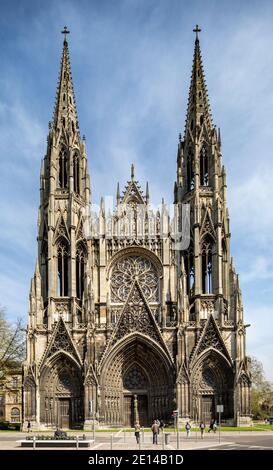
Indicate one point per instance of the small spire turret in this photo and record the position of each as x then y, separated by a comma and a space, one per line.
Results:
132, 172
147, 193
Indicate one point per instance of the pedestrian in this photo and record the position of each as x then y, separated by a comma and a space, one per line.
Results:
137, 431
162, 424
28, 426
211, 425
188, 429
202, 429
155, 430
214, 426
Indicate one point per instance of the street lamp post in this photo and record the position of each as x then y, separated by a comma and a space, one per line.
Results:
220, 409
92, 415
176, 414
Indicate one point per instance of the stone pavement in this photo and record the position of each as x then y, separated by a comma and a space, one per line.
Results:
126, 441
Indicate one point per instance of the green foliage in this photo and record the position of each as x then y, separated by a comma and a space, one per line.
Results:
262, 391
7, 426
12, 345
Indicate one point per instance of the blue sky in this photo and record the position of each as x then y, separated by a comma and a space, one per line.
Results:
131, 64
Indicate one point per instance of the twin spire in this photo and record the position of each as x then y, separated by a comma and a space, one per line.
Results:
65, 112
198, 111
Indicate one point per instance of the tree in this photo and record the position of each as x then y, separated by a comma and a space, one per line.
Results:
12, 344
262, 391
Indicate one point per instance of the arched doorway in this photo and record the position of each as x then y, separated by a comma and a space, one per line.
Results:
135, 389
212, 385
61, 399
136, 383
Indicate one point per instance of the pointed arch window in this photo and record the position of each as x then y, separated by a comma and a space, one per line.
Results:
190, 170
44, 265
189, 268
62, 268
204, 167
76, 173
224, 266
63, 180
207, 272
15, 415
80, 269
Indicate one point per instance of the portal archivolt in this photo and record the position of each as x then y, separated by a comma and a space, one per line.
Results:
61, 393
212, 384
136, 384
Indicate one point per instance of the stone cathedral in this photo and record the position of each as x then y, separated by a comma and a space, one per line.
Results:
123, 324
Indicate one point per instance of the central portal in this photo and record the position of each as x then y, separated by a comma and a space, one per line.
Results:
136, 384
135, 409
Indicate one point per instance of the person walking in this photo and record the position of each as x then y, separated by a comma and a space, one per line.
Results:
158, 424
28, 426
188, 429
155, 431
137, 431
214, 426
202, 429
211, 425
162, 424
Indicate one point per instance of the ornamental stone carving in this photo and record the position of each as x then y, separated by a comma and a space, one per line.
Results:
131, 269
135, 379
136, 317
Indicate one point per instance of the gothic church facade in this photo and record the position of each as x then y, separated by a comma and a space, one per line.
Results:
122, 325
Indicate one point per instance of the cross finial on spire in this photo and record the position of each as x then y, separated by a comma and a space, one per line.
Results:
65, 32
197, 30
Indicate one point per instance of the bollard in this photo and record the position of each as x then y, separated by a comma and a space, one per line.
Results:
111, 447
77, 442
124, 435
142, 435
34, 442
163, 439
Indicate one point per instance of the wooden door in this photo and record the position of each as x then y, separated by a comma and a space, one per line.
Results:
128, 410
142, 405
207, 408
64, 413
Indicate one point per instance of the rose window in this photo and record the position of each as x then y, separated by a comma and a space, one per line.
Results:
130, 270
135, 379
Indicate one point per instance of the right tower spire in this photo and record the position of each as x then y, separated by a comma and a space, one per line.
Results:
198, 112
201, 182
212, 308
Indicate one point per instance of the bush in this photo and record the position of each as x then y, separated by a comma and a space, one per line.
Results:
4, 425
7, 426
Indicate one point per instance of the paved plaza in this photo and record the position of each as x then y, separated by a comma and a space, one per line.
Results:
249, 440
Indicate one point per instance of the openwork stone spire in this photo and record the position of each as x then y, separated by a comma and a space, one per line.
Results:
65, 112
198, 112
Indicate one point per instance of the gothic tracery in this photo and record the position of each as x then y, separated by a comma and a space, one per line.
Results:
131, 269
